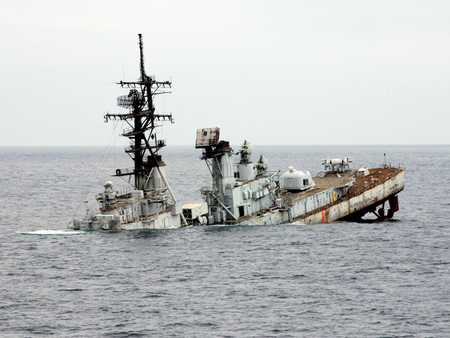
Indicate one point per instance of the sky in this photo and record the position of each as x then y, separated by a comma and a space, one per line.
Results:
270, 72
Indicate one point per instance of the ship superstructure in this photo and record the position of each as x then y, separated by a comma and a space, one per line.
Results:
150, 204
247, 193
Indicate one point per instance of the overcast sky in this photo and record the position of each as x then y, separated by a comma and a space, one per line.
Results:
272, 72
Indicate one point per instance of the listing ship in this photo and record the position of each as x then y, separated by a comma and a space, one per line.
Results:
243, 193
248, 193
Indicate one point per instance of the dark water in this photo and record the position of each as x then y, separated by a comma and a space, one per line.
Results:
384, 279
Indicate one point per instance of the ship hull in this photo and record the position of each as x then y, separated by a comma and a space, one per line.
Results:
341, 209
163, 221
359, 205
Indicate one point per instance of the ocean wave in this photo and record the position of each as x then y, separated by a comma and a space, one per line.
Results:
51, 232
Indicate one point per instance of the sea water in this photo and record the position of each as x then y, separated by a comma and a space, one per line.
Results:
379, 279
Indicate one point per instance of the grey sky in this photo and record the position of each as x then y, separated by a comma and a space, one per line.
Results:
272, 72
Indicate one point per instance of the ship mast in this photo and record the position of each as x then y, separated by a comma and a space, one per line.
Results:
142, 121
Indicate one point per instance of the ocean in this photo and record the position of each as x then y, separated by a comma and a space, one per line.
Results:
374, 279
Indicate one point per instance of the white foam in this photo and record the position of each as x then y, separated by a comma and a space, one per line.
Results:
51, 232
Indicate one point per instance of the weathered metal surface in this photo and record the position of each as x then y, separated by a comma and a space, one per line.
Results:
261, 199
207, 137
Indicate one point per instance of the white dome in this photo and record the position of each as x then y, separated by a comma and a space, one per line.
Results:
297, 179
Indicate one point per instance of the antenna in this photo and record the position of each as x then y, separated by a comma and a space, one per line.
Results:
141, 51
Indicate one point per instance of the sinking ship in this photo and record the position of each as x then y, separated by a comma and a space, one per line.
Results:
241, 193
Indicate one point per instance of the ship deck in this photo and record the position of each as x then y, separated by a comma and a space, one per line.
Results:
376, 176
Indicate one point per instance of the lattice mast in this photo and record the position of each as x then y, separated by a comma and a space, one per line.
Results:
142, 120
